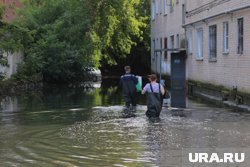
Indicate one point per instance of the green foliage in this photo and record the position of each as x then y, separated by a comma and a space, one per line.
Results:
11, 38
60, 42
3, 61
1, 11
120, 25
59, 37
2, 76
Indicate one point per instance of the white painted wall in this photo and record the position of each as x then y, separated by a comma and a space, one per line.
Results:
13, 60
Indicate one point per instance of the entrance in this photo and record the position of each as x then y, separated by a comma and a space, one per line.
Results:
178, 79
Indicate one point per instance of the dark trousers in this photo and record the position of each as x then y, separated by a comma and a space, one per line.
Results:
130, 99
154, 104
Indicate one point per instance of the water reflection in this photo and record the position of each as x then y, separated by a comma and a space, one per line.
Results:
54, 103
82, 126
8, 104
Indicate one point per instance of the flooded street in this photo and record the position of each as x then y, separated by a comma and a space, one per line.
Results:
83, 127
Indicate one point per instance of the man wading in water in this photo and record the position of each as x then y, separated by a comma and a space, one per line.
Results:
154, 92
128, 82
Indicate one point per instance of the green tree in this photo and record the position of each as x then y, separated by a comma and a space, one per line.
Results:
59, 37
3, 61
11, 38
56, 39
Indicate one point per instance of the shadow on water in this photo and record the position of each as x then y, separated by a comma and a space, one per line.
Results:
61, 103
82, 126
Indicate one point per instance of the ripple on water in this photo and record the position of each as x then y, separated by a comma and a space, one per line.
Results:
106, 139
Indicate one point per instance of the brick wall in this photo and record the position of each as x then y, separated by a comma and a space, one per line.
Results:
164, 26
232, 69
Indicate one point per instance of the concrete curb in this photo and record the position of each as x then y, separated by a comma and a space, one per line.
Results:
219, 101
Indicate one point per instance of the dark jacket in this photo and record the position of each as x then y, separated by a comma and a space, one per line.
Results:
128, 83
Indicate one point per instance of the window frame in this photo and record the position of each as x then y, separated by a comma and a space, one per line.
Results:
156, 7
240, 37
212, 47
153, 10
172, 41
177, 41
165, 7
153, 58
160, 6
225, 37
171, 6
200, 43
190, 42
165, 47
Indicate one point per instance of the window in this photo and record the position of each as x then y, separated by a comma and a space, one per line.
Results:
153, 10
172, 42
190, 42
240, 36
156, 6
165, 7
199, 43
225, 37
153, 58
213, 42
177, 41
165, 47
183, 14
161, 43
171, 6
160, 6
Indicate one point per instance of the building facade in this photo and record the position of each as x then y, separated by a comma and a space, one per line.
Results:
217, 37
13, 59
166, 31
